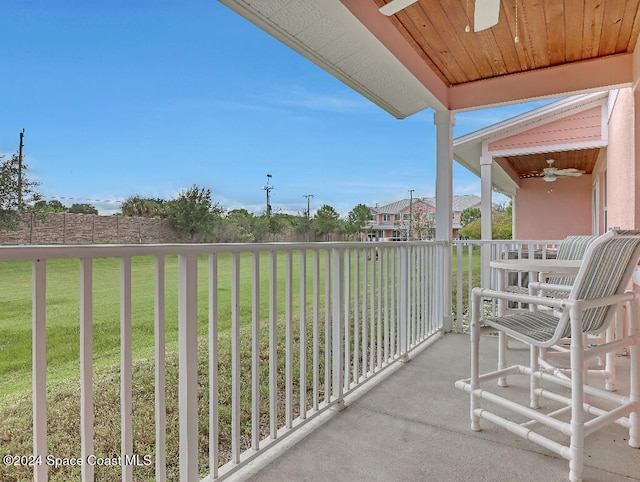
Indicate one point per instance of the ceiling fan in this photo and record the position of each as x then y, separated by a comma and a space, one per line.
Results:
552, 173
485, 15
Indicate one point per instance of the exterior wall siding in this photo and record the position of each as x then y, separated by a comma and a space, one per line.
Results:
581, 127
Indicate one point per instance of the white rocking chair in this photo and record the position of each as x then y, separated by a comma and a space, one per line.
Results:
598, 291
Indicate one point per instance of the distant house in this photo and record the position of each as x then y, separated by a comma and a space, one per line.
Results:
392, 222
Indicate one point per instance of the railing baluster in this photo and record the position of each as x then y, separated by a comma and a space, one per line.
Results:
378, 264
403, 299
235, 357
385, 283
188, 365
86, 366
214, 449
365, 313
39, 367
255, 351
372, 311
316, 328
288, 342
160, 370
394, 304
273, 346
303, 334
327, 326
356, 316
337, 336
126, 368
347, 316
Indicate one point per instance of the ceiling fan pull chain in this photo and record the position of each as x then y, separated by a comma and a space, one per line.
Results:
516, 38
467, 28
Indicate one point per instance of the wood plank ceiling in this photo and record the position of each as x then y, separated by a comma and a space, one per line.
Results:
531, 165
550, 33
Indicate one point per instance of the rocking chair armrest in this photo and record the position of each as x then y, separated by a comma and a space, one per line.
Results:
537, 285
485, 293
606, 301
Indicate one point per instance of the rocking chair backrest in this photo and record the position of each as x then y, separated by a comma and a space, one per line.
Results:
571, 247
607, 268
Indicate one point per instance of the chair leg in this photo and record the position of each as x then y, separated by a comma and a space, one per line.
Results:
534, 382
576, 462
502, 357
611, 382
475, 360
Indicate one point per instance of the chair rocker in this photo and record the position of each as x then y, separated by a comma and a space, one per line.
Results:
598, 291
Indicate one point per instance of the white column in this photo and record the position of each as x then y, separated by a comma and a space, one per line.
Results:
444, 121
485, 210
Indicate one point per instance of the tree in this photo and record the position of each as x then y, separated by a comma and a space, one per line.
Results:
53, 206
16, 191
469, 215
423, 226
144, 207
357, 219
82, 208
194, 214
326, 220
500, 226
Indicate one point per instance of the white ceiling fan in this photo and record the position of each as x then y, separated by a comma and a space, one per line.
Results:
552, 173
485, 16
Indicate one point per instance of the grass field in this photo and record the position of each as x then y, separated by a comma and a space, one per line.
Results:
63, 354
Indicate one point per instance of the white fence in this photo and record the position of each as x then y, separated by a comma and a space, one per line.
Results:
305, 324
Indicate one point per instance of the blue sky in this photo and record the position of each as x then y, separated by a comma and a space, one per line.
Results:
148, 97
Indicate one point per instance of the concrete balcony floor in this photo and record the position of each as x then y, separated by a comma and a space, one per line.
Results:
413, 425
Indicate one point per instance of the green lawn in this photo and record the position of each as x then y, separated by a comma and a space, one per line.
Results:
63, 290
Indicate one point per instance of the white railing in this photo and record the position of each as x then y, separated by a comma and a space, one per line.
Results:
470, 264
304, 324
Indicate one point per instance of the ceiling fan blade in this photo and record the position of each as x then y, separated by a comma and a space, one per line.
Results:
486, 14
572, 171
394, 6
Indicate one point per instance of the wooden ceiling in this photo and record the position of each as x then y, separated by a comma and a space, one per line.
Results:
531, 165
550, 33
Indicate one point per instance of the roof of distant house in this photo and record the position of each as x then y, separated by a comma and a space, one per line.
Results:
460, 203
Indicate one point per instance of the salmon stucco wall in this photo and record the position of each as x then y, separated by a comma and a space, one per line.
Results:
553, 210
621, 170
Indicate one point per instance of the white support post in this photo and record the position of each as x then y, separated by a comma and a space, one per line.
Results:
485, 219
444, 121
188, 365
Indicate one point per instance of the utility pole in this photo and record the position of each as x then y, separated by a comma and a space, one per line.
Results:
410, 214
268, 189
20, 172
308, 196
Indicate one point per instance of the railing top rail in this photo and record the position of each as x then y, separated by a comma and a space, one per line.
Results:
33, 252
506, 241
